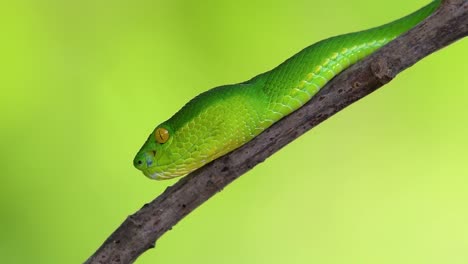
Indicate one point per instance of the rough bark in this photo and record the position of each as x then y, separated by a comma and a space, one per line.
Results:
140, 231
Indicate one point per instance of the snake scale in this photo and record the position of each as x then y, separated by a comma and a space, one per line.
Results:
226, 117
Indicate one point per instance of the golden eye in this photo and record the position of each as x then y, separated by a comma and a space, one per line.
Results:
162, 135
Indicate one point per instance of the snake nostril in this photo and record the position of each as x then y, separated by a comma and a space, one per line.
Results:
139, 162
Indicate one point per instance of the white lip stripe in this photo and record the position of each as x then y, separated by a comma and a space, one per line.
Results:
155, 175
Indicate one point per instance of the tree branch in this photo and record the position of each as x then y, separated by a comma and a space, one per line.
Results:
140, 231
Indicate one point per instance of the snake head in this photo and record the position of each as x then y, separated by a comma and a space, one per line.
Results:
167, 154
195, 136
152, 158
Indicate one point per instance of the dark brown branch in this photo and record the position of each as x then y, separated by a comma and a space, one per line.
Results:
140, 231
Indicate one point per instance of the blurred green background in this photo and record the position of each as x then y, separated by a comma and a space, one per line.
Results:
84, 82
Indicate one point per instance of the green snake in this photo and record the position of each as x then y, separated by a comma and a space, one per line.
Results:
226, 117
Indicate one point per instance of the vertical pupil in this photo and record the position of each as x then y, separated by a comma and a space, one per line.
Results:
161, 135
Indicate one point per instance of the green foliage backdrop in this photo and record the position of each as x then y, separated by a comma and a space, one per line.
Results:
83, 82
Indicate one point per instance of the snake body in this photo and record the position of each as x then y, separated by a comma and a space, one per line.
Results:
224, 118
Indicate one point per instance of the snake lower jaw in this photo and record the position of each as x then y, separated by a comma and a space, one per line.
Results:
163, 175
152, 175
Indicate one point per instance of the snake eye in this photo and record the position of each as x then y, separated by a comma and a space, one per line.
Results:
162, 135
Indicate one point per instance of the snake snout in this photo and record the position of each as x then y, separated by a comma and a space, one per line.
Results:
144, 160
138, 163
